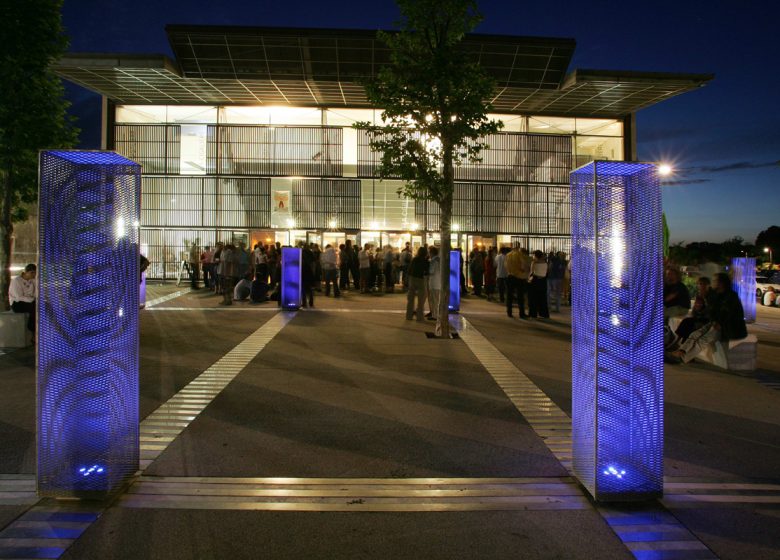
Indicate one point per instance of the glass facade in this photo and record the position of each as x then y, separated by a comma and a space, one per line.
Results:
285, 173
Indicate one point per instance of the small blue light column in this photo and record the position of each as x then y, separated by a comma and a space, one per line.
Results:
743, 275
292, 285
89, 205
454, 304
617, 330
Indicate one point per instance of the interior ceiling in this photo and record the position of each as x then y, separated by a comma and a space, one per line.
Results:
278, 66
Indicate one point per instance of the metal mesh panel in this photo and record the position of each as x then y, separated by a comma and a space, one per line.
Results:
509, 157
275, 151
194, 202
454, 303
292, 287
534, 210
156, 147
743, 272
327, 203
88, 322
617, 318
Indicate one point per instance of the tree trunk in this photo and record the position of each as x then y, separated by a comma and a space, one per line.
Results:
445, 219
6, 235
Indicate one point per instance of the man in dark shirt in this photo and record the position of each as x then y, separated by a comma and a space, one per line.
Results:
677, 300
727, 322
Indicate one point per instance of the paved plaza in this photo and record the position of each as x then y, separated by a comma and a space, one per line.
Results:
343, 431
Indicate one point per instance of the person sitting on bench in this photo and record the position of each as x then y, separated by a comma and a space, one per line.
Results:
727, 322
22, 292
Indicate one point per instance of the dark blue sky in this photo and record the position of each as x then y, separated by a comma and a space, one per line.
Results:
724, 139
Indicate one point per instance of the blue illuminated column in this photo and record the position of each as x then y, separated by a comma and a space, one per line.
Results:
617, 330
454, 304
743, 271
292, 289
88, 323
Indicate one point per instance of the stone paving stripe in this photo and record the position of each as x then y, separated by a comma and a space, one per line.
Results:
183, 407
529, 399
163, 299
17, 490
47, 530
335, 494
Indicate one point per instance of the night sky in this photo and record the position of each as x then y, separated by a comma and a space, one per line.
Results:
724, 139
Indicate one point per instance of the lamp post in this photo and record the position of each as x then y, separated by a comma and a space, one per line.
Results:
771, 260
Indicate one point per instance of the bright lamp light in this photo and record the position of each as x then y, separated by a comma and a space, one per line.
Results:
664, 170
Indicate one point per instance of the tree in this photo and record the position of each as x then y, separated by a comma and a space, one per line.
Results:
769, 238
32, 110
433, 98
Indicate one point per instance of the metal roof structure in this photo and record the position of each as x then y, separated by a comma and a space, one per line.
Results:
326, 67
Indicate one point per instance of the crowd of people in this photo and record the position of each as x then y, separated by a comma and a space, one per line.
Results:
716, 316
508, 276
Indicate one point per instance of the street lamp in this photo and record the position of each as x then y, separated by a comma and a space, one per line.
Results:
769, 250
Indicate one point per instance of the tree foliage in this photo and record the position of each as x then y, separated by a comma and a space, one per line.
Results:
32, 110
770, 237
434, 101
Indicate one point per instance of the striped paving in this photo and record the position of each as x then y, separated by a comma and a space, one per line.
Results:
162, 426
47, 530
682, 492
17, 489
162, 299
548, 421
356, 495
668, 538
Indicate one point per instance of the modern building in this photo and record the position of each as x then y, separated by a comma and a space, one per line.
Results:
248, 135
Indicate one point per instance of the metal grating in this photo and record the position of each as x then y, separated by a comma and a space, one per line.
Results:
743, 276
88, 326
275, 150
514, 157
617, 346
327, 203
533, 210
200, 201
156, 147
292, 281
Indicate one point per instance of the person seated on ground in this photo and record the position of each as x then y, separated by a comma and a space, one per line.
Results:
770, 297
22, 292
259, 292
677, 300
243, 289
700, 314
727, 322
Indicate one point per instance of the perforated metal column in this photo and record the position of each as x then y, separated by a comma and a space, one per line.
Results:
292, 261
743, 273
88, 322
617, 330
454, 304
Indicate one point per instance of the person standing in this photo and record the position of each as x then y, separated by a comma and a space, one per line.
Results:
229, 266
387, 269
307, 275
403, 265
205, 265
354, 264
501, 272
364, 259
477, 270
194, 262
490, 274
23, 292
434, 283
330, 270
556, 270
516, 280
418, 272
343, 267
537, 287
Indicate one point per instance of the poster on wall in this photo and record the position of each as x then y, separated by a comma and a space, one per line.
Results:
281, 208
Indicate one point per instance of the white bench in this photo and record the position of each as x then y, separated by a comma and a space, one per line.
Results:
13, 330
740, 355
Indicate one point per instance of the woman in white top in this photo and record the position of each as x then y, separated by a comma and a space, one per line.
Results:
537, 287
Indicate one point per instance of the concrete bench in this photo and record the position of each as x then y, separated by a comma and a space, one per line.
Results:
13, 330
740, 355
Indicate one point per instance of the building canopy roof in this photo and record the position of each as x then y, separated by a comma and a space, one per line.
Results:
325, 67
